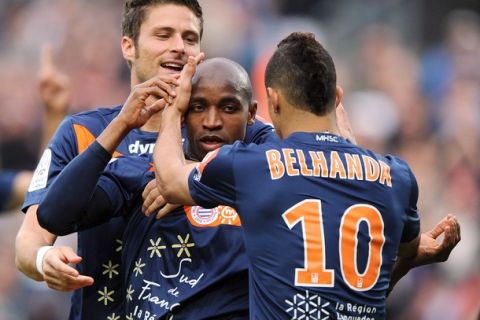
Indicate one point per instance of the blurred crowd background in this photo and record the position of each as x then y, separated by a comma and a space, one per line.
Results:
410, 70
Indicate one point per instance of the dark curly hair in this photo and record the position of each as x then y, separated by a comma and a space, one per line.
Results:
134, 14
304, 71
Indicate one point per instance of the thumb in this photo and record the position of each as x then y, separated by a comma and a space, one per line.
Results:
71, 256
439, 228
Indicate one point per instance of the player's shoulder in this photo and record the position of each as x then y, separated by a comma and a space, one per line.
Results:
259, 131
100, 113
399, 168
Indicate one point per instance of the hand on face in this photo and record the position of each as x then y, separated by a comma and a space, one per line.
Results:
147, 99
59, 275
184, 90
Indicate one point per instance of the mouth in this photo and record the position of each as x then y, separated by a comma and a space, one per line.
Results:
173, 66
210, 143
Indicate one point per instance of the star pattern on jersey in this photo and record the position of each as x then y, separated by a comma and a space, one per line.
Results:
130, 316
113, 316
130, 292
105, 296
307, 307
138, 267
183, 245
155, 248
110, 269
120, 243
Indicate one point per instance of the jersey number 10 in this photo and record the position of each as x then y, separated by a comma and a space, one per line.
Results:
314, 273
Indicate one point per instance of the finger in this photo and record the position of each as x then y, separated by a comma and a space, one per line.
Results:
71, 256
152, 91
69, 283
157, 106
157, 204
166, 83
199, 57
439, 228
166, 209
46, 58
148, 189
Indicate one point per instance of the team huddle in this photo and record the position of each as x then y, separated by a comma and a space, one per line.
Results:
249, 222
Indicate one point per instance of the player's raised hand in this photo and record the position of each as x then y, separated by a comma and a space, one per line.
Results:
53, 85
430, 250
184, 91
148, 98
343, 123
59, 275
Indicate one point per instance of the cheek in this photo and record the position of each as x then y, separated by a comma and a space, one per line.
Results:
192, 50
236, 130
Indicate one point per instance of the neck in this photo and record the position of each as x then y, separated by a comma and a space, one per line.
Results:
153, 124
296, 120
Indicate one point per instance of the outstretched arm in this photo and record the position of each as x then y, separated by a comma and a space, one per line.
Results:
430, 250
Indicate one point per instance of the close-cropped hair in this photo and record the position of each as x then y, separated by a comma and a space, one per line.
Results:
135, 11
305, 73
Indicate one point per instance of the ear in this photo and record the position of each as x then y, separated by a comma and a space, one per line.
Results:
128, 49
273, 99
252, 112
338, 95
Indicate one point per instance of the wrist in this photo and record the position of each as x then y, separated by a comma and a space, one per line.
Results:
41, 252
172, 111
121, 126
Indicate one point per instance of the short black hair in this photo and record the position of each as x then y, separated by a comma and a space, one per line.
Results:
304, 71
134, 14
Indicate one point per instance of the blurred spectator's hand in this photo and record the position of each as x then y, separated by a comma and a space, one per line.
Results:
53, 85
59, 275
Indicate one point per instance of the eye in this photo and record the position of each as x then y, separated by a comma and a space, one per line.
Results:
191, 40
230, 108
162, 36
196, 108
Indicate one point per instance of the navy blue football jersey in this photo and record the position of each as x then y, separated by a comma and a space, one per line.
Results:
323, 220
191, 264
101, 246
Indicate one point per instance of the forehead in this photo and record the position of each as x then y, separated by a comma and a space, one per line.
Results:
170, 16
220, 79
213, 88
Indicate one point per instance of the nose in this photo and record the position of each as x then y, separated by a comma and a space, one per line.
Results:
212, 119
178, 45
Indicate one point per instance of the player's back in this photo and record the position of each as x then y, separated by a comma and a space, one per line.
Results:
322, 225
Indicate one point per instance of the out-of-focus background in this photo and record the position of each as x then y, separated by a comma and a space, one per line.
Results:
410, 71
